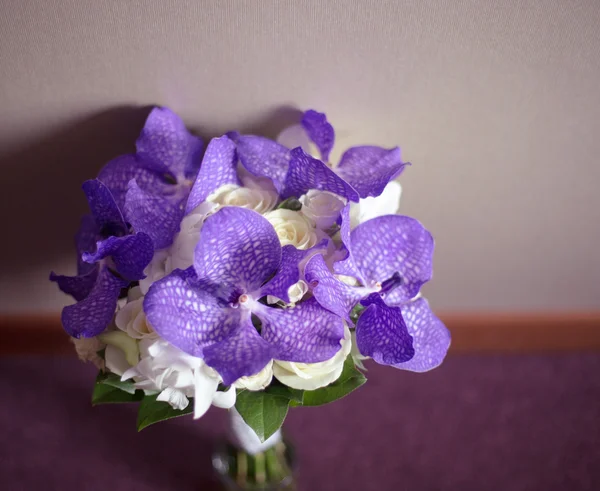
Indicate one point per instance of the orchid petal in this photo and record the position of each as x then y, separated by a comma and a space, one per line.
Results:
85, 241
306, 333
131, 254
240, 354
319, 131
394, 244
332, 294
431, 339
153, 177
368, 169
105, 211
90, 317
382, 334
187, 317
262, 157
157, 216
79, 286
347, 266
289, 270
238, 250
165, 139
307, 173
219, 167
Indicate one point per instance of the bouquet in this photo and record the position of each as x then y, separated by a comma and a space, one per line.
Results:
251, 274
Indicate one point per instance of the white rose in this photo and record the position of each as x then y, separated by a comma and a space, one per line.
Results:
293, 228
295, 292
387, 203
254, 198
322, 207
181, 253
258, 381
310, 376
122, 351
176, 376
357, 356
87, 350
156, 270
132, 319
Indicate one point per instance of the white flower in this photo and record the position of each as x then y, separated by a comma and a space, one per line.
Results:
181, 253
387, 203
295, 292
87, 350
293, 228
357, 356
122, 351
258, 381
177, 376
322, 207
256, 194
156, 270
131, 318
310, 376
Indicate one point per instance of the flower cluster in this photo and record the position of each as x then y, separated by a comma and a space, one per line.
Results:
248, 266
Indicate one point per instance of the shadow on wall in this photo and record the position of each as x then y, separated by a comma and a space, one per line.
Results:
42, 183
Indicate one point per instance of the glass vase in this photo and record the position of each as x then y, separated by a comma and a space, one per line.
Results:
244, 462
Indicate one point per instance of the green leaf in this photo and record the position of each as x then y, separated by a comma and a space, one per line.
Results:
108, 391
115, 381
262, 411
290, 204
276, 388
152, 411
349, 380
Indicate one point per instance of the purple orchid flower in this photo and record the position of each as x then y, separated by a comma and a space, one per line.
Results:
119, 258
152, 185
362, 171
210, 309
391, 258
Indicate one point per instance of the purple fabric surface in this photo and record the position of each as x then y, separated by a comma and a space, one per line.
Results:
476, 423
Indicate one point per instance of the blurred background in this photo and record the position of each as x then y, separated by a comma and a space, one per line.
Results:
496, 104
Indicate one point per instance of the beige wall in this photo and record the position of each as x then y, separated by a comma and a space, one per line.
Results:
497, 104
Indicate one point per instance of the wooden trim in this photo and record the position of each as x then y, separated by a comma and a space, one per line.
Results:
471, 332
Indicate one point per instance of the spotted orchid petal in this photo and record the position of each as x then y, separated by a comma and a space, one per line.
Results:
85, 241
89, 317
152, 176
289, 271
155, 215
165, 139
381, 333
394, 244
307, 173
368, 169
219, 167
331, 293
105, 211
130, 254
306, 333
243, 352
78, 286
431, 338
262, 157
347, 266
319, 131
186, 316
238, 250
